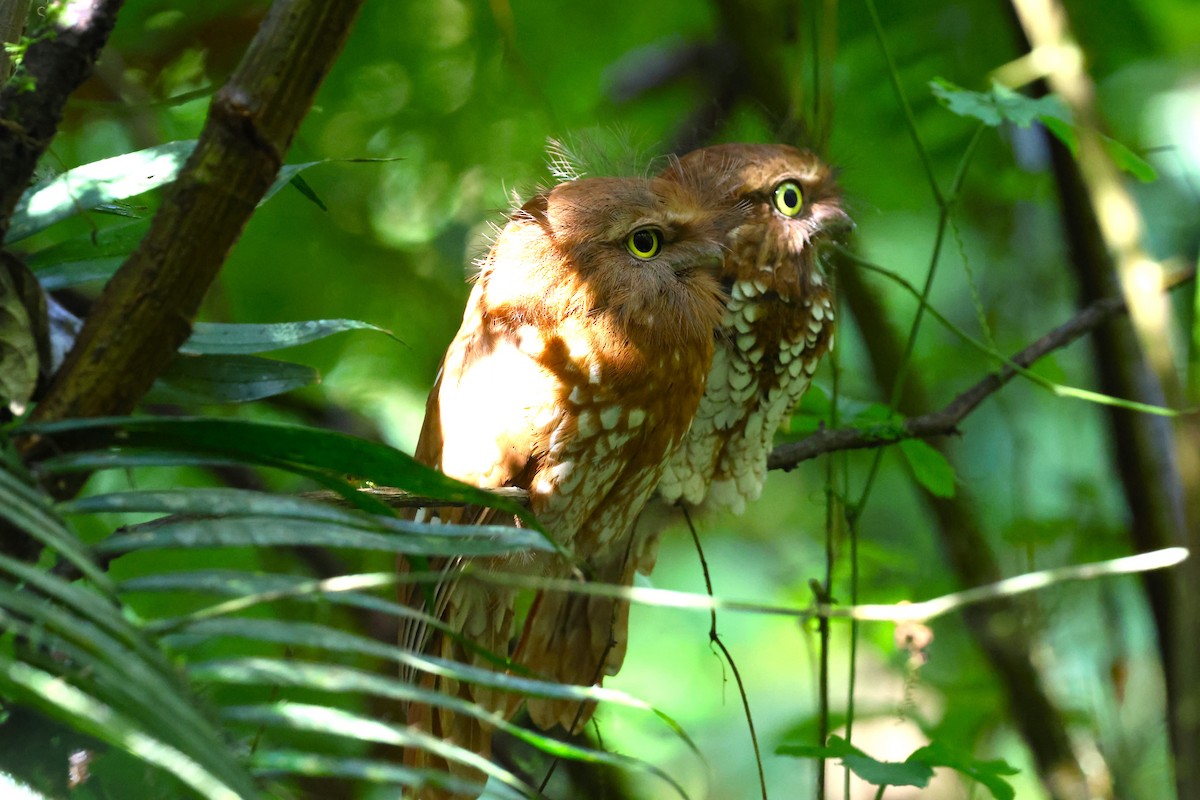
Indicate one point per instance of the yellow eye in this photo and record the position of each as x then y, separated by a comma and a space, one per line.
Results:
788, 198
645, 243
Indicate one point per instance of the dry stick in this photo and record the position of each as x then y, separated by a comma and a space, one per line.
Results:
145, 311
715, 639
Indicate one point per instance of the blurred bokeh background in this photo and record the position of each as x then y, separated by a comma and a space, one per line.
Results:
459, 97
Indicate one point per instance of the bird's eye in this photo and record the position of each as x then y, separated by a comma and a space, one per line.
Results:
645, 243
788, 198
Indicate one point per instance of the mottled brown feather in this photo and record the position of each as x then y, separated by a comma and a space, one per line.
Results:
778, 321
575, 374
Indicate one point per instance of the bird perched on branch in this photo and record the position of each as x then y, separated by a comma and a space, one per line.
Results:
778, 320
579, 365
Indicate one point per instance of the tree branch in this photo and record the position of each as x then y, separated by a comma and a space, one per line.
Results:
60, 56
146, 310
946, 421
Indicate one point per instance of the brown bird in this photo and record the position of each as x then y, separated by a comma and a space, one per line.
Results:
778, 320
577, 370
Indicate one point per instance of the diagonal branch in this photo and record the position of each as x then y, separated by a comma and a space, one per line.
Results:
946, 421
146, 310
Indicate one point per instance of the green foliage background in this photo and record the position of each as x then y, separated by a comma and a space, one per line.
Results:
460, 98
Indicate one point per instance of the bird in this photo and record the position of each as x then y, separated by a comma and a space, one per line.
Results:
778, 320
580, 362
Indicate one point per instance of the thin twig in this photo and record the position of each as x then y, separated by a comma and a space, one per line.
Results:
714, 638
945, 421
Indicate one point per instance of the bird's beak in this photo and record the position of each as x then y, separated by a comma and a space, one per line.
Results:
835, 223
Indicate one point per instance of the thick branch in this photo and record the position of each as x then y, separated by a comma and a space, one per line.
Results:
146, 310
60, 57
947, 420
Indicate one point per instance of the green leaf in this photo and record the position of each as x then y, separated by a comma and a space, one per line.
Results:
228, 379
294, 447
342, 681
209, 338
73, 273
871, 770
889, 773
1063, 131
106, 657
321, 719
290, 173
63, 701
93, 256
1129, 161
284, 762
356, 727
95, 184
22, 309
303, 187
930, 467
243, 503
988, 773
30, 512
1001, 104
260, 532
323, 637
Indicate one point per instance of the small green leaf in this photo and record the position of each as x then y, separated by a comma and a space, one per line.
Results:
871, 770
1001, 104
1129, 161
889, 773
209, 338
96, 184
929, 467
228, 379
290, 173
95, 255
73, 273
987, 773
303, 187
1063, 131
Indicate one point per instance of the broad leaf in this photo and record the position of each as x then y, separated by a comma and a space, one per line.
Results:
198, 380
871, 770
1001, 104
93, 256
988, 773
209, 338
94, 184
294, 447
929, 466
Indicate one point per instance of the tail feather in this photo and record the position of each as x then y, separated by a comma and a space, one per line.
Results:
575, 639
481, 613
